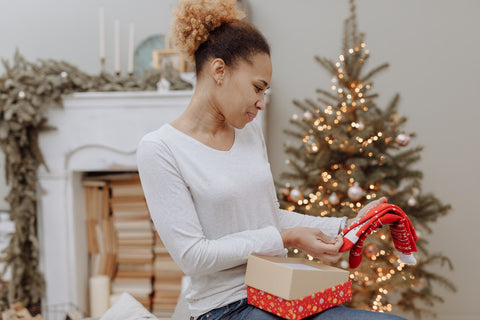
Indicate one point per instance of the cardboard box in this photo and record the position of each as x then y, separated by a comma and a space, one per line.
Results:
295, 288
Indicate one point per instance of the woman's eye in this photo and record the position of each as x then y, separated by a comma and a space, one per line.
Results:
258, 89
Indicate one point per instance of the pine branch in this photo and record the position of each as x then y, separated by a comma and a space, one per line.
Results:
374, 72
327, 64
329, 95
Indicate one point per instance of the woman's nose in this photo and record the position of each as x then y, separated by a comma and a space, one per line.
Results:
260, 104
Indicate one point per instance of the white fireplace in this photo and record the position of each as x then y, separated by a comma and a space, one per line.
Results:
94, 132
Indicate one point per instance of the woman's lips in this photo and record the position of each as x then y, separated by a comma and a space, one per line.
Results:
251, 116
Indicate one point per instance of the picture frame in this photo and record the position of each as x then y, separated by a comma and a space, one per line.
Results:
160, 57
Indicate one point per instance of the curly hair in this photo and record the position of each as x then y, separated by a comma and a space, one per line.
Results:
203, 29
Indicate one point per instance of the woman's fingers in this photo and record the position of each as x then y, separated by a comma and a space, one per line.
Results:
324, 238
315, 243
371, 205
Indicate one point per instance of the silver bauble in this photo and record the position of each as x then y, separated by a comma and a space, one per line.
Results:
412, 202
403, 139
296, 195
355, 192
308, 115
333, 199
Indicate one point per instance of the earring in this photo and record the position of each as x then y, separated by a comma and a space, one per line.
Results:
219, 82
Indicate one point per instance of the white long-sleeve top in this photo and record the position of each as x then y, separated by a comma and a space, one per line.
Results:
213, 208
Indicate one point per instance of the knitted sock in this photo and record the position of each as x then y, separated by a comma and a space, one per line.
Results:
401, 229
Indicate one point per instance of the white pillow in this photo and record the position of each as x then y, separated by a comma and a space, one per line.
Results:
127, 308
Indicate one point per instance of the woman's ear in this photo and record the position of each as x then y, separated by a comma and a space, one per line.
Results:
217, 70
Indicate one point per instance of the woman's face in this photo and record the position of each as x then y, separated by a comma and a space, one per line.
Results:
242, 92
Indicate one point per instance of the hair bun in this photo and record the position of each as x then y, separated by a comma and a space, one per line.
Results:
195, 19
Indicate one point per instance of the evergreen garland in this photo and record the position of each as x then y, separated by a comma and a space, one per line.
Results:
27, 90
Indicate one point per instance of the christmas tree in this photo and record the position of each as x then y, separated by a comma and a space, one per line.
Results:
352, 152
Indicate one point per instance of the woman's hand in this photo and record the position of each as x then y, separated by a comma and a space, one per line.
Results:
313, 242
364, 210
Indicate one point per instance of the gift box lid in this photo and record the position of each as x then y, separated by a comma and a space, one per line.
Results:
291, 278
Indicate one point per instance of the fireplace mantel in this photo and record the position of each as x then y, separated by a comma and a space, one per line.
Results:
94, 132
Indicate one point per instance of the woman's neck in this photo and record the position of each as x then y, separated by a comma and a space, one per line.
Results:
205, 122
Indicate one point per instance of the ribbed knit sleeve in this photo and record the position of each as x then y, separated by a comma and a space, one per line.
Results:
287, 219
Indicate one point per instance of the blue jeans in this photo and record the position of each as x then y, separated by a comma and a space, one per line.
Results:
241, 310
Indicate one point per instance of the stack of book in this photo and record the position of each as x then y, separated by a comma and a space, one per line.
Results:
102, 244
123, 244
135, 239
167, 281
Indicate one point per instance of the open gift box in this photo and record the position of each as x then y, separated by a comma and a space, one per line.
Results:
295, 288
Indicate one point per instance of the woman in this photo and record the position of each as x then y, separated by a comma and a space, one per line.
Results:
206, 175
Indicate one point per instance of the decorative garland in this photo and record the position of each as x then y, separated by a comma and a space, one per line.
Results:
26, 91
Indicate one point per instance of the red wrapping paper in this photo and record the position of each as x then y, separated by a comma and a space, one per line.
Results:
303, 307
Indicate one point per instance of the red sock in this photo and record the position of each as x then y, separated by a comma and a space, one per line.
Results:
401, 229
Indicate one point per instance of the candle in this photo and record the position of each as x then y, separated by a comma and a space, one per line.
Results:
117, 47
99, 295
130, 48
102, 34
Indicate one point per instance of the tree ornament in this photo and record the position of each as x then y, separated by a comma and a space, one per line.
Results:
403, 139
308, 115
295, 117
296, 195
285, 193
63, 74
344, 264
370, 250
412, 202
355, 192
360, 126
21, 95
333, 198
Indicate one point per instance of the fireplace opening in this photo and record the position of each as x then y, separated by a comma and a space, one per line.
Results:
122, 244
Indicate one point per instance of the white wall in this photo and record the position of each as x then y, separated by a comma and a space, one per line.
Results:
429, 44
